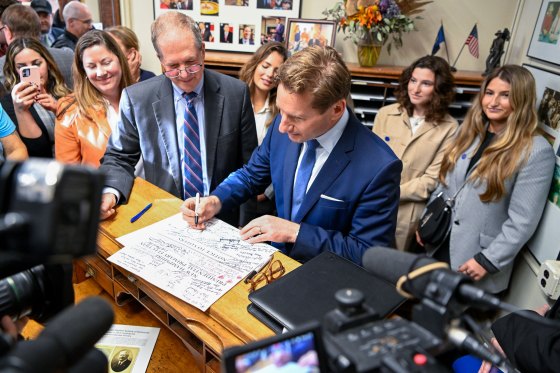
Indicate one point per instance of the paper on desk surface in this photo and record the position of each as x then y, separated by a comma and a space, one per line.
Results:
195, 266
136, 342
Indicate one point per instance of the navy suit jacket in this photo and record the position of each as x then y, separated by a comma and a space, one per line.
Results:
147, 127
352, 204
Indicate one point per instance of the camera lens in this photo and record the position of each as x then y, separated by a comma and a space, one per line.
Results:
543, 282
546, 273
22, 294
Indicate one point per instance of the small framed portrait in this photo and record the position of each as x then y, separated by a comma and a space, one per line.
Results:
236, 25
544, 44
303, 33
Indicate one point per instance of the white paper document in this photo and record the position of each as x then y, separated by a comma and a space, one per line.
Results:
195, 266
128, 348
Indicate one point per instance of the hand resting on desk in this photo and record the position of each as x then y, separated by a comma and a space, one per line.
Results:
108, 203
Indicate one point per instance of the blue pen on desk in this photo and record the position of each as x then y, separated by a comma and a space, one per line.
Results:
139, 215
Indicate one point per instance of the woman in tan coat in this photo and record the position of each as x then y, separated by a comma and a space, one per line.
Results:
417, 128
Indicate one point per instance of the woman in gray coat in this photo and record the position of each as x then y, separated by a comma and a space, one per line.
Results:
500, 171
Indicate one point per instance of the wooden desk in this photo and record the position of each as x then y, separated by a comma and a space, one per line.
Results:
168, 355
205, 334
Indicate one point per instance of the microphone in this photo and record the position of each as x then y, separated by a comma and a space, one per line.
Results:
440, 285
66, 341
78, 328
462, 339
94, 361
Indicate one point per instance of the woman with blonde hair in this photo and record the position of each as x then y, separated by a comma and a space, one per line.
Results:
86, 118
260, 75
499, 170
128, 42
417, 128
32, 107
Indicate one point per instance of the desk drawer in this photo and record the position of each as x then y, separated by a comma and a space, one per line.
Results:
99, 270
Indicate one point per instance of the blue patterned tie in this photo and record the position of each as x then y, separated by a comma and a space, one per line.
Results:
192, 162
303, 176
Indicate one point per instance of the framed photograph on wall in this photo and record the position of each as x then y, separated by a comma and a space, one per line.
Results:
307, 32
236, 25
545, 43
545, 243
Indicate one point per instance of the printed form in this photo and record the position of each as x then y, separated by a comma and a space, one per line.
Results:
197, 267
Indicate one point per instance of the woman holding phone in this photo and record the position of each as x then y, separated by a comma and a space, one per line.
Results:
86, 118
35, 84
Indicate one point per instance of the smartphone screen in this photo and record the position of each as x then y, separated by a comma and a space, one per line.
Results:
30, 74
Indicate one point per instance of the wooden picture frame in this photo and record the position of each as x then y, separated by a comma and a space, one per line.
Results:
306, 32
544, 243
240, 17
545, 42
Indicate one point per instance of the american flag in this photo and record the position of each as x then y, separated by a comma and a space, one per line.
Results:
472, 41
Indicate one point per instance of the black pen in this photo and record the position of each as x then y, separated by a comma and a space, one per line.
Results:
257, 270
142, 212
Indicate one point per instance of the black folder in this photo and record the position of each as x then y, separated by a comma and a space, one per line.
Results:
307, 293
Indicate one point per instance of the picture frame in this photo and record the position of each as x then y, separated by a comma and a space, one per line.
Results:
544, 243
545, 42
306, 32
235, 25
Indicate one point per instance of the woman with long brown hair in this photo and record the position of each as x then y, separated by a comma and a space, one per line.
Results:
86, 118
417, 128
32, 107
499, 170
260, 75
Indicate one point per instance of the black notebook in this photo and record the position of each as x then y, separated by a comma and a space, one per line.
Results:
307, 293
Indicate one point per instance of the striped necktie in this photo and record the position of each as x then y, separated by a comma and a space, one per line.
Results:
192, 161
303, 176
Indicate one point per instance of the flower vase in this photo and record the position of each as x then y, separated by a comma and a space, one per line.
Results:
369, 49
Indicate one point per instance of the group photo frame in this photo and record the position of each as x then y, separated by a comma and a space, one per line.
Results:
236, 25
545, 41
303, 33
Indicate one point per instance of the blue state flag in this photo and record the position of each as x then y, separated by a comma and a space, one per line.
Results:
440, 38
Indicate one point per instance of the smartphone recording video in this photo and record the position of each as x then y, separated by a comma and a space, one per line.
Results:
30, 74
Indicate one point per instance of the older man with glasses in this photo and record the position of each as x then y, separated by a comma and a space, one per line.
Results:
191, 126
78, 20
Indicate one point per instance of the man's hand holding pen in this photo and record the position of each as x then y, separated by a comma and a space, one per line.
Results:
208, 207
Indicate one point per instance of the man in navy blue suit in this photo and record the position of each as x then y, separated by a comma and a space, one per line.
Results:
350, 194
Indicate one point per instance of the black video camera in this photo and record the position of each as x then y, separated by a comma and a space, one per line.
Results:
49, 215
351, 339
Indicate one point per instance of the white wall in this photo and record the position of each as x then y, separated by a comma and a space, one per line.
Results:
524, 290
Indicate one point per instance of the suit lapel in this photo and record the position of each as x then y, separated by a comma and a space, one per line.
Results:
164, 112
333, 167
290, 165
213, 109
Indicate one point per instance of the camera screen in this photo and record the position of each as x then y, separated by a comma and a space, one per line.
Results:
297, 354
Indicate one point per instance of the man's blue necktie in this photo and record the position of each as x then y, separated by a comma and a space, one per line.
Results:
303, 176
192, 161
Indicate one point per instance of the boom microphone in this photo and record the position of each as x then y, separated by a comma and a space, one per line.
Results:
440, 285
465, 341
65, 341
88, 322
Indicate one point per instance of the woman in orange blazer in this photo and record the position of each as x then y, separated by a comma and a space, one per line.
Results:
417, 128
86, 118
